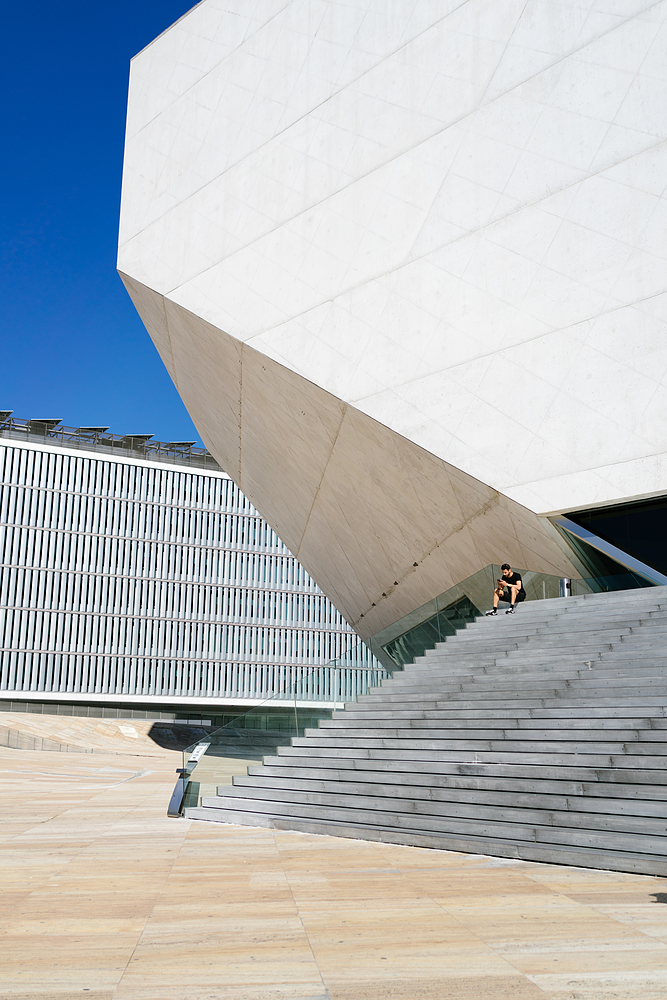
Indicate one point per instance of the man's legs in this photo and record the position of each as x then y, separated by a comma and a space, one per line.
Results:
516, 597
513, 592
497, 594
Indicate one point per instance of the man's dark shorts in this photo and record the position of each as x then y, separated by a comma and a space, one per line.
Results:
521, 596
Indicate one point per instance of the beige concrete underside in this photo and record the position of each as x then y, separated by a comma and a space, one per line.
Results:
381, 524
103, 897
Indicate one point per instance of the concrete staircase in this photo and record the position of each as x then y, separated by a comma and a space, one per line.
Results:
541, 735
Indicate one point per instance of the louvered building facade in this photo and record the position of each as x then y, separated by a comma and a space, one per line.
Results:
137, 572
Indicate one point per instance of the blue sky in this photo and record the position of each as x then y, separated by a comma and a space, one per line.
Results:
72, 344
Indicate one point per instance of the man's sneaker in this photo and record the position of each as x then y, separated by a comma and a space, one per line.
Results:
490, 614
510, 611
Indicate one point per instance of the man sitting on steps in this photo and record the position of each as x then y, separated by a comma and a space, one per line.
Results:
509, 589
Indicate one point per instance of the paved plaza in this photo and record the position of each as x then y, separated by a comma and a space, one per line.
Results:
104, 897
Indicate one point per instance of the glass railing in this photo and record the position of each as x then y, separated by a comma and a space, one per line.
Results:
607, 584
441, 617
260, 730
437, 627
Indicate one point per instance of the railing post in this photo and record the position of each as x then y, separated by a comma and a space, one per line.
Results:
296, 715
183, 780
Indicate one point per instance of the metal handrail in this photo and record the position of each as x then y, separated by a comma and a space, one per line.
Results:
185, 773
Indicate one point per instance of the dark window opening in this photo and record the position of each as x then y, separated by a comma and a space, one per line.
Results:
640, 529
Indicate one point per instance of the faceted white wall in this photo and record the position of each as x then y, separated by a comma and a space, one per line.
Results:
448, 215
440, 212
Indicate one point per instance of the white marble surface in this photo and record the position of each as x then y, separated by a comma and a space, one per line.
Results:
451, 216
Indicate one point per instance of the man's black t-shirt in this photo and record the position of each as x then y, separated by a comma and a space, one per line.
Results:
513, 578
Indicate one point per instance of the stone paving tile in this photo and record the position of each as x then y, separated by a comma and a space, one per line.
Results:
440, 987
104, 897
55, 993
619, 985
148, 988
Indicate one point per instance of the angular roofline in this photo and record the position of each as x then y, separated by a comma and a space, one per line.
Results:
157, 37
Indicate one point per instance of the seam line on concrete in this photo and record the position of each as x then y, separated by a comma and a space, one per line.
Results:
298, 910
324, 472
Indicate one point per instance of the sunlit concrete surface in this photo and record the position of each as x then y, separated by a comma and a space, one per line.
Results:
78, 732
103, 897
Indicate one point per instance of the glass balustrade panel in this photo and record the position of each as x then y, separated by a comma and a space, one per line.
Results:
306, 695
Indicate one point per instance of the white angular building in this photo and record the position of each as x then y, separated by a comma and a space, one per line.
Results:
405, 264
134, 575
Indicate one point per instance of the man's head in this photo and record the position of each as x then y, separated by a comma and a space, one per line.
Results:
506, 568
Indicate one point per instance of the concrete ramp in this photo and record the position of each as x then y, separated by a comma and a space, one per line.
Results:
74, 734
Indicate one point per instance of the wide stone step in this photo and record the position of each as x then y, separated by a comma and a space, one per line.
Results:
522, 743
517, 626
467, 703
595, 673
529, 643
485, 646
535, 675
637, 796
549, 637
532, 686
522, 810
655, 646
519, 675
528, 683
464, 703
654, 656
570, 731
545, 692
515, 829
432, 770
500, 661
452, 732
618, 656
569, 654
516, 672
655, 715
503, 623
458, 646
549, 611
416, 755
614, 601
527, 850
607, 598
